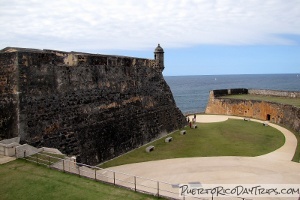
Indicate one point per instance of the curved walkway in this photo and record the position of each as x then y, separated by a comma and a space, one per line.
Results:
273, 168
286, 152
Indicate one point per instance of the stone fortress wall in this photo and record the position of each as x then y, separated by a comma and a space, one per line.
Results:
283, 114
89, 105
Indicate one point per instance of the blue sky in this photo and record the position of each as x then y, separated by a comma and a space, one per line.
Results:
200, 37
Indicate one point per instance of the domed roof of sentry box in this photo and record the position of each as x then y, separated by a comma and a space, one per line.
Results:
158, 49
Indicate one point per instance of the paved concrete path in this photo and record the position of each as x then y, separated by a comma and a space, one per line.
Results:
6, 159
273, 168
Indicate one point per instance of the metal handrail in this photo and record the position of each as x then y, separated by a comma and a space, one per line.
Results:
94, 174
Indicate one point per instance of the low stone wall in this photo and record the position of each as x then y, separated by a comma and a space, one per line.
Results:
9, 141
26, 150
8, 149
8, 146
286, 115
51, 150
277, 93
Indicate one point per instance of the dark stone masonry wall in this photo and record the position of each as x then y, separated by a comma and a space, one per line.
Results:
283, 114
8, 96
93, 106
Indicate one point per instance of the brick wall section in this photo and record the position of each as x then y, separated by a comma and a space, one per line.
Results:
286, 115
93, 106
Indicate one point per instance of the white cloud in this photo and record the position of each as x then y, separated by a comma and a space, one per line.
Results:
136, 24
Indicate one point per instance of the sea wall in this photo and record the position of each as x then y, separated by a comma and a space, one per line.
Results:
89, 105
283, 114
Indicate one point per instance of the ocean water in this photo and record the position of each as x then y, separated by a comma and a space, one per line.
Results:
191, 92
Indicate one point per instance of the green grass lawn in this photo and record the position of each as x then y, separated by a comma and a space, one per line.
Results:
230, 138
21, 179
283, 100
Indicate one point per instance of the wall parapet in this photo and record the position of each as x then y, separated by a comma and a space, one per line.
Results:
276, 93
223, 92
264, 92
72, 59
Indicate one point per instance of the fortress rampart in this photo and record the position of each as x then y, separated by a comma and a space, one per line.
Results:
276, 93
89, 105
284, 114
